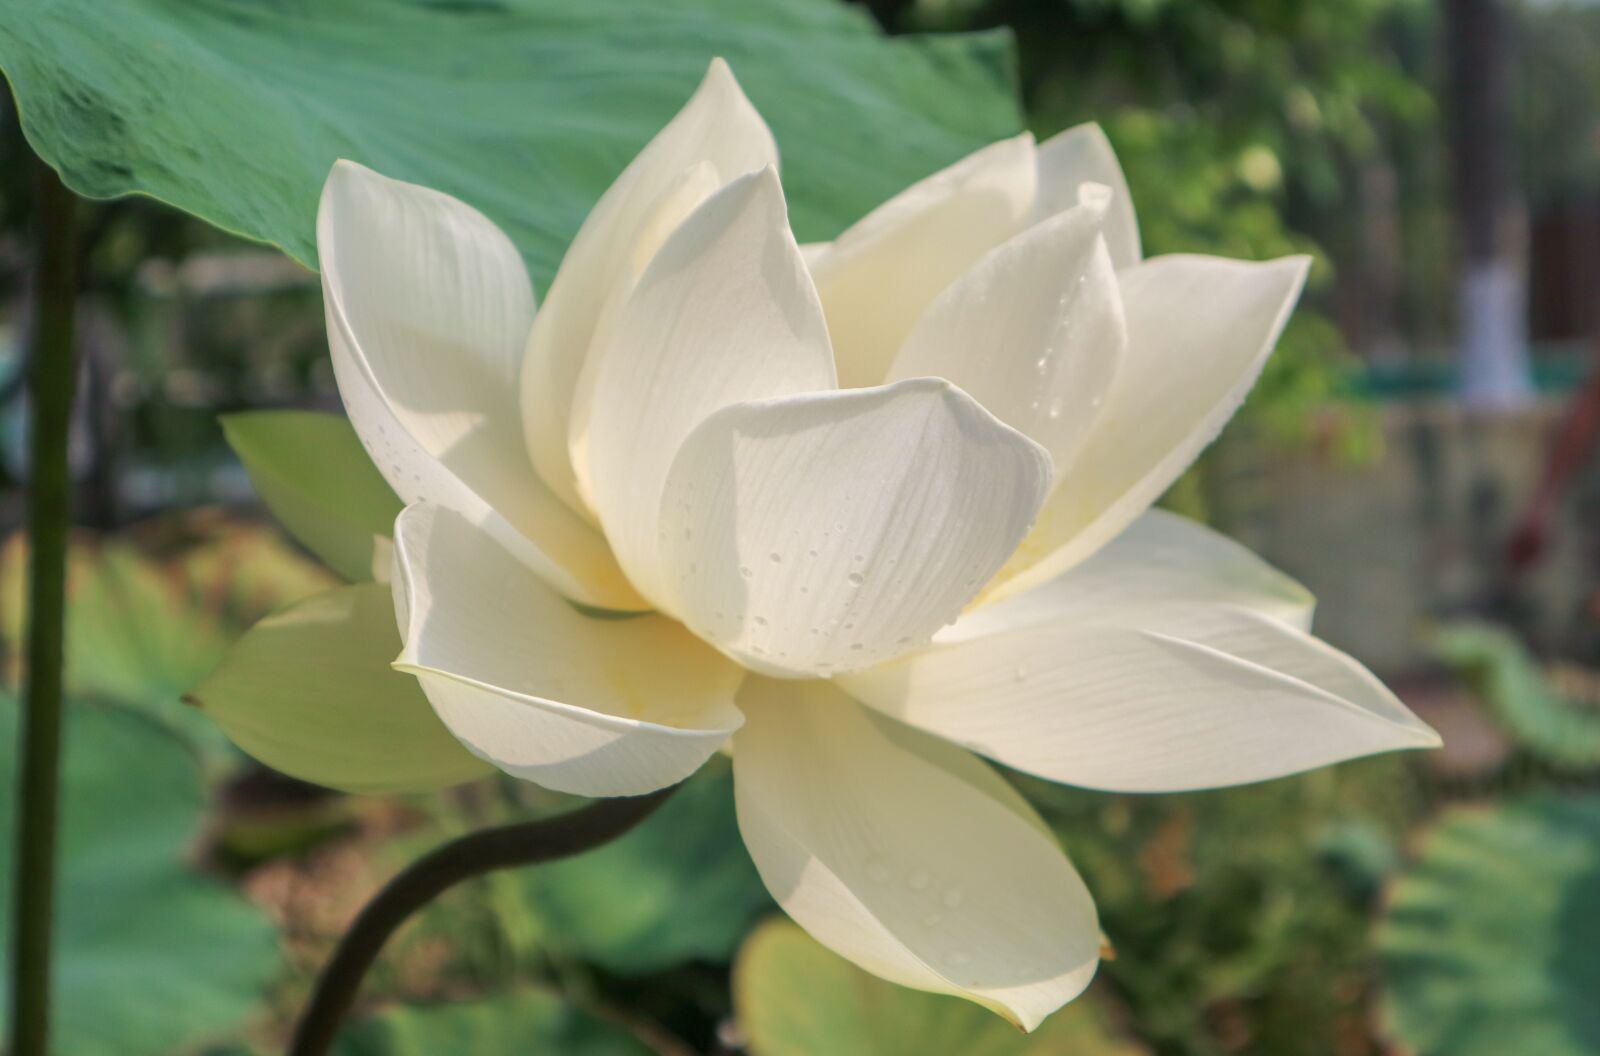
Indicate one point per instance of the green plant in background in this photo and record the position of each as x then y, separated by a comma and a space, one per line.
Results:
1249, 125
153, 957
1489, 937
1489, 940
1559, 730
528, 1021
152, 612
1241, 917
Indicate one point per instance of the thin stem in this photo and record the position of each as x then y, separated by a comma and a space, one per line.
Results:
53, 374
526, 843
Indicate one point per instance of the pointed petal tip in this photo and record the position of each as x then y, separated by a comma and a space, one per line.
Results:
719, 80
1426, 737
341, 174
1298, 266
1029, 1017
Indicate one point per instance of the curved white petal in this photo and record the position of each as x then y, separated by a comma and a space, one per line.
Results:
1082, 154
1033, 331
1153, 698
878, 277
725, 312
428, 306
1161, 557
717, 128
595, 707
828, 532
907, 855
1199, 331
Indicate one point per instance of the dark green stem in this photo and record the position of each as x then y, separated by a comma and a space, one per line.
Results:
526, 843
53, 374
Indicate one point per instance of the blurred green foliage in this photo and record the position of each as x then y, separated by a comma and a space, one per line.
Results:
1239, 918
1244, 127
1556, 728
521, 1021
151, 612
1489, 942
680, 889
151, 956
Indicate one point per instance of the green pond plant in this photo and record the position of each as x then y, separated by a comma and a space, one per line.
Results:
862, 513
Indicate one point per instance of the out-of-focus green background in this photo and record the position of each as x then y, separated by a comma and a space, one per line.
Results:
1424, 460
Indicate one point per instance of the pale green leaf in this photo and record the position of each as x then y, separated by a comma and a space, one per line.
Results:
313, 473
309, 691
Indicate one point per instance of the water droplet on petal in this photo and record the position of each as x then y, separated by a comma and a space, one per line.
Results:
920, 880
775, 557
856, 579
953, 897
744, 570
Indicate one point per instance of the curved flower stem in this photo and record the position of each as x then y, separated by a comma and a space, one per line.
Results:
525, 843
52, 376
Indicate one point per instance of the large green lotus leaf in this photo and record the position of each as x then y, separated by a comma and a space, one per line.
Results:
1558, 730
796, 998
234, 110
526, 1021
1491, 944
681, 887
151, 957
150, 613
318, 480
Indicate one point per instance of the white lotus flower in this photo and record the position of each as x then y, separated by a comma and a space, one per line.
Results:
883, 506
